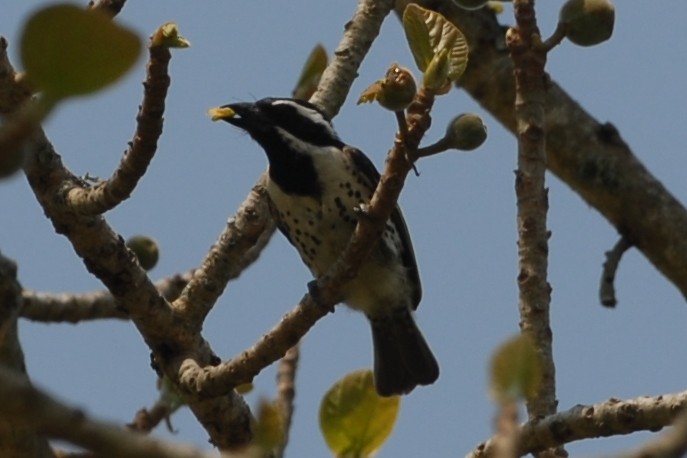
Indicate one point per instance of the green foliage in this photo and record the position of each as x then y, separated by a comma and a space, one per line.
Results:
515, 370
269, 428
430, 35
68, 51
311, 73
354, 419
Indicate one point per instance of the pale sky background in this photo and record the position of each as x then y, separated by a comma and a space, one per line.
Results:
461, 213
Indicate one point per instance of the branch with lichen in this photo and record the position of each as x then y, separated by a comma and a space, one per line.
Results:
610, 418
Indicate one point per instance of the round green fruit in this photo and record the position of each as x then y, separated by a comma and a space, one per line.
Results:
466, 132
145, 249
588, 22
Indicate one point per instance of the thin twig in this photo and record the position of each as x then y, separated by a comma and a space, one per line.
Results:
286, 392
613, 257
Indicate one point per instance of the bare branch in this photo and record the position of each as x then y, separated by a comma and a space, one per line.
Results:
241, 242
96, 305
286, 392
611, 418
671, 444
16, 439
30, 407
360, 32
613, 257
108, 194
529, 60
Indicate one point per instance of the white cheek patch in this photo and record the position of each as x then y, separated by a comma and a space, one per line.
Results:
308, 113
298, 145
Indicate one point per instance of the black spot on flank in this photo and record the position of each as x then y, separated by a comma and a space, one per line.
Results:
316, 240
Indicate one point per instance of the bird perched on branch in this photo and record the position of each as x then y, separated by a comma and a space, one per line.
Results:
317, 185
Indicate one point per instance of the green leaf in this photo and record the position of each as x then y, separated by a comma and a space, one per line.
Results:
429, 33
269, 429
167, 35
69, 51
356, 421
515, 370
311, 73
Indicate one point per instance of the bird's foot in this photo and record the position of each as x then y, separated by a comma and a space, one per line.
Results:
316, 295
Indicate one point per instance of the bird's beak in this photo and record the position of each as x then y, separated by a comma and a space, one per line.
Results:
221, 113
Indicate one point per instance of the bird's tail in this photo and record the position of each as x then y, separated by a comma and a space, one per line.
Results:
402, 358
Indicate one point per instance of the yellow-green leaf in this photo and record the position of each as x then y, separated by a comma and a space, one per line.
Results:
68, 51
428, 33
311, 73
356, 421
167, 35
515, 370
269, 429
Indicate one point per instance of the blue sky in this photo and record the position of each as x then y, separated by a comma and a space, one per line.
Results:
461, 214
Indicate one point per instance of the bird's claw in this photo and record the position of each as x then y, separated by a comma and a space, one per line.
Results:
316, 295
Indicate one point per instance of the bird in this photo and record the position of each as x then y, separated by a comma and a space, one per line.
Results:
317, 185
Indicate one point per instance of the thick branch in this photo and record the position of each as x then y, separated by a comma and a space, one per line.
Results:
16, 439
30, 407
590, 157
611, 418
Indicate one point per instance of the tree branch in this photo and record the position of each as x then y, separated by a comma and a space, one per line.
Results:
286, 392
357, 39
96, 305
529, 60
239, 245
16, 439
611, 418
108, 194
30, 407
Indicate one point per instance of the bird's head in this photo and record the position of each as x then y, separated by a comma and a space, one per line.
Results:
276, 123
